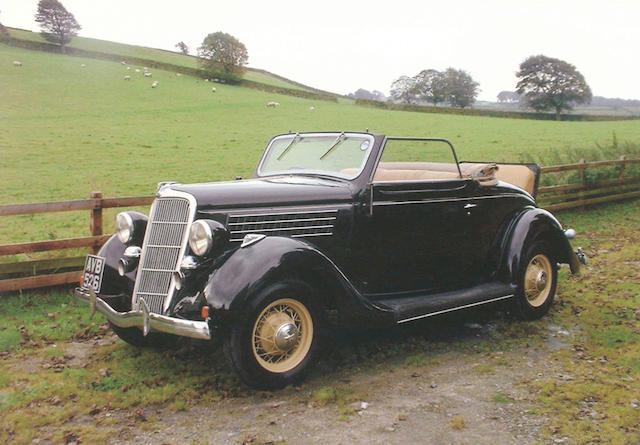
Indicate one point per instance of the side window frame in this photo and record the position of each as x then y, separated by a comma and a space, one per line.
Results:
417, 139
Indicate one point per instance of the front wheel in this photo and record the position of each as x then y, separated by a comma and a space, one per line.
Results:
275, 343
538, 280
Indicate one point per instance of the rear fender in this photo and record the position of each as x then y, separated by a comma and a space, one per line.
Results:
251, 269
532, 225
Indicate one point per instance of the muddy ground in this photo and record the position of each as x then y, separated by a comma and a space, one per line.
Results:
474, 395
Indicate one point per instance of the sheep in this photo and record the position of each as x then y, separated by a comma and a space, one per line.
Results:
137, 70
178, 75
213, 89
127, 77
83, 66
128, 68
206, 80
312, 108
147, 74
273, 104
123, 63
16, 63
155, 84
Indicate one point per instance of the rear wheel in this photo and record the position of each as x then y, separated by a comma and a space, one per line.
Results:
538, 280
276, 342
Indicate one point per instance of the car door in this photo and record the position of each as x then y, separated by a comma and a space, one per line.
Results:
413, 238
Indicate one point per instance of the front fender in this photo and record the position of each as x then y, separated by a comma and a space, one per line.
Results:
250, 269
531, 225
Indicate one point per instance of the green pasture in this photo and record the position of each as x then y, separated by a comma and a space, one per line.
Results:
66, 130
160, 55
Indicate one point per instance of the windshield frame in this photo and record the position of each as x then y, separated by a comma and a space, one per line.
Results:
367, 136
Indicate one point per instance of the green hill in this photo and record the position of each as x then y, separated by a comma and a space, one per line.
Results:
66, 130
159, 55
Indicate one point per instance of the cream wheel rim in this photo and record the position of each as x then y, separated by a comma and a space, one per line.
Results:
537, 280
282, 335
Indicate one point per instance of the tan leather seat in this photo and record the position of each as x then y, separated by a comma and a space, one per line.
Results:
383, 174
486, 174
433, 166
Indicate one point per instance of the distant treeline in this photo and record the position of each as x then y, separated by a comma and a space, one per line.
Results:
599, 101
490, 113
513, 98
196, 72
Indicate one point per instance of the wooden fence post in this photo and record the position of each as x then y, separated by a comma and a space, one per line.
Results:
623, 158
582, 181
95, 221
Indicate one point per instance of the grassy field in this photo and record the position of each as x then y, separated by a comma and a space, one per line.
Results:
68, 130
125, 50
60, 375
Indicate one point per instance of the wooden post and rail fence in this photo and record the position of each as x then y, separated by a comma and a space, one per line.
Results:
37, 273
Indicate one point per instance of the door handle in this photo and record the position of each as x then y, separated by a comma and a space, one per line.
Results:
470, 206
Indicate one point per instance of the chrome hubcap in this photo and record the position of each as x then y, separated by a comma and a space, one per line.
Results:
286, 336
541, 280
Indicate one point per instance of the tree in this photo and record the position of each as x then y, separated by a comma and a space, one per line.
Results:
223, 52
404, 89
184, 49
3, 31
379, 96
58, 25
551, 84
509, 97
431, 86
362, 93
461, 89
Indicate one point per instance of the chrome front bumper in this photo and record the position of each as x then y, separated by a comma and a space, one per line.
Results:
144, 319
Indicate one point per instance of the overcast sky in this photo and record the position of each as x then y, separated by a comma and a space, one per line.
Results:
344, 45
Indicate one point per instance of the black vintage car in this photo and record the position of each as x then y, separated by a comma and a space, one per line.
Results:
379, 230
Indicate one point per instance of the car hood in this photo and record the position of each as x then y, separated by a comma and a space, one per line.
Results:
266, 192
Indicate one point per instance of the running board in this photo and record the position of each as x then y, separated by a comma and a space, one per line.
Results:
422, 306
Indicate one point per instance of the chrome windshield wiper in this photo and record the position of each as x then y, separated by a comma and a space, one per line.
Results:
288, 147
339, 139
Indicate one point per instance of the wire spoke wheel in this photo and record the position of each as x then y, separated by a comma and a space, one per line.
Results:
282, 335
538, 280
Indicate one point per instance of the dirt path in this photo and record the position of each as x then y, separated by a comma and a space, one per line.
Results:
464, 398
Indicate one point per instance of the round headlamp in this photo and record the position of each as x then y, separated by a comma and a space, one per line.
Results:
200, 238
124, 227
130, 227
206, 236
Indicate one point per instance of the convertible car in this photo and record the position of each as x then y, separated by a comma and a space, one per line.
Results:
378, 230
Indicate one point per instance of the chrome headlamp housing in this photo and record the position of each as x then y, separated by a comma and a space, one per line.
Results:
207, 236
130, 226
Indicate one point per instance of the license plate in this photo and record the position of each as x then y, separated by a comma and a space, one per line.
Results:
93, 269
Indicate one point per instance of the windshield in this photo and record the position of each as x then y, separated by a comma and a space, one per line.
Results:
335, 154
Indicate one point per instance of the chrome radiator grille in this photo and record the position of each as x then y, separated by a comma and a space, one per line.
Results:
164, 243
293, 224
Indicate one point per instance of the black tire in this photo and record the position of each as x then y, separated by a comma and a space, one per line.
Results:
537, 282
253, 342
134, 337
